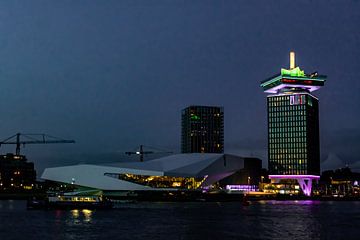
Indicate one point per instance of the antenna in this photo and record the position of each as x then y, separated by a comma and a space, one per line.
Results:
292, 60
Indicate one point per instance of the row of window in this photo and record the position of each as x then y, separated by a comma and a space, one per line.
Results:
294, 172
284, 141
285, 166
287, 115
279, 98
274, 125
287, 156
288, 133
287, 140
285, 108
287, 150
292, 104
288, 145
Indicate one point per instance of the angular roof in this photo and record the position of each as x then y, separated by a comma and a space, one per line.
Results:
180, 165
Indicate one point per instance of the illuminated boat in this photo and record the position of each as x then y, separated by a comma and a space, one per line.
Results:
70, 201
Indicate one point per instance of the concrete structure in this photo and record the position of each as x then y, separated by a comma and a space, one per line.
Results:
181, 171
293, 125
202, 130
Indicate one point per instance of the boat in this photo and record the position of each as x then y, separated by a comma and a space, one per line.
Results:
70, 201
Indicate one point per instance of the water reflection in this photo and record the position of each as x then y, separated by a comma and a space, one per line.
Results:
260, 220
87, 215
75, 213
81, 216
292, 202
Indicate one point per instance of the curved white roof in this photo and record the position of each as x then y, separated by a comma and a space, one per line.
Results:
215, 166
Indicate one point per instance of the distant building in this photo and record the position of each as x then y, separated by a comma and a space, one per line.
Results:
202, 129
16, 173
293, 125
340, 182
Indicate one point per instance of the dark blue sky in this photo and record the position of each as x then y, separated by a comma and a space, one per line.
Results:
115, 74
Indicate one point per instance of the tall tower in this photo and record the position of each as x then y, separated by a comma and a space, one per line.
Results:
202, 129
293, 125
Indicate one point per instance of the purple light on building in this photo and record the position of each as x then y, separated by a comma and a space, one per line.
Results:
305, 181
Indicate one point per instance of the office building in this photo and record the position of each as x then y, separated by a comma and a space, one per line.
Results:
293, 125
202, 129
16, 173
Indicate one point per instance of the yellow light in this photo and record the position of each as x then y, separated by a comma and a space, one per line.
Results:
75, 213
176, 184
292, 60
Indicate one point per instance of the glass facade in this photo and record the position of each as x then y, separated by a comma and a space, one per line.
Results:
293, 134
161, 181
202, 130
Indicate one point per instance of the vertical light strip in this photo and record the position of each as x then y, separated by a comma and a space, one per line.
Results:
292, 60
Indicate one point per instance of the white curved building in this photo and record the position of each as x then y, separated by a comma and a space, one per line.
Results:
180, 171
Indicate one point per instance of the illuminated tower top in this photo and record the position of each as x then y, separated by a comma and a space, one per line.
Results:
293, 80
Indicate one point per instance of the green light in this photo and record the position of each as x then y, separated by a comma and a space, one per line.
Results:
194, 117
296, 72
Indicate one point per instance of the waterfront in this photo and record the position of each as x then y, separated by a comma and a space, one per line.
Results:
207, 220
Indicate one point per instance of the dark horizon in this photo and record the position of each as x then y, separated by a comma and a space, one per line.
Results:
116, 75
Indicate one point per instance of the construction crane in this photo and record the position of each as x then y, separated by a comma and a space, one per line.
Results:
141, 152
22, 139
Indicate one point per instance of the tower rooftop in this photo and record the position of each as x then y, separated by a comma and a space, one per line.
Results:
293, 79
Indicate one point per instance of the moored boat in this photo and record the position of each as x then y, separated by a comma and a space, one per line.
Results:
62, 201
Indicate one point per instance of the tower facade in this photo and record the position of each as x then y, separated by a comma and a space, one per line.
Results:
202, 129
293, 134
293, 125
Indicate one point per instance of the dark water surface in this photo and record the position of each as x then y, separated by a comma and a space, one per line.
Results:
260, 220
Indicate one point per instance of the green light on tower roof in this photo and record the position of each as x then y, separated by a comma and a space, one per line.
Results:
296, 72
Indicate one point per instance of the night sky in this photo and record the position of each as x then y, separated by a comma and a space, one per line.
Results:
116, 74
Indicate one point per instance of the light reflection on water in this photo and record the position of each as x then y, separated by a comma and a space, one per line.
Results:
87, 215
75, 213
292, 202
78, 216
260, 220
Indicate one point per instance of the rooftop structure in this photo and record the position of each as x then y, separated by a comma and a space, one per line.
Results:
293, 80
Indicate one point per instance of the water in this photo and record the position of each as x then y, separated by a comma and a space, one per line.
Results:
260, 220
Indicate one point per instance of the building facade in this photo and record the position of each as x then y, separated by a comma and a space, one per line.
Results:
293, 129
293, 125
16, 173
202, 129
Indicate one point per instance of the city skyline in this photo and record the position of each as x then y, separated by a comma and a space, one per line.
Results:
115, 76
